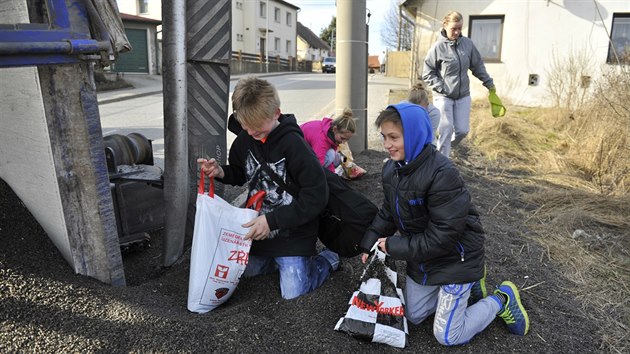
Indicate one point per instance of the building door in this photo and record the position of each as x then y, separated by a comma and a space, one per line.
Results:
136, 60
262, 49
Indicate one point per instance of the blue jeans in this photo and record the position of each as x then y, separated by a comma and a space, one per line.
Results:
299, 275
332, 157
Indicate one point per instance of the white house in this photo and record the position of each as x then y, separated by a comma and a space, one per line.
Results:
265, 27
309, 46
525, 43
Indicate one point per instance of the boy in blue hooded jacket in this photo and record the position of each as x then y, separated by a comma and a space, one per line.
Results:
427, 219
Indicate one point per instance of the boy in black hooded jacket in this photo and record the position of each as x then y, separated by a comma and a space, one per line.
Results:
439, 234
285, 233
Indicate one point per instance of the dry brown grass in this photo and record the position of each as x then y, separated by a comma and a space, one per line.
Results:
579, 159
589, 235
580, 162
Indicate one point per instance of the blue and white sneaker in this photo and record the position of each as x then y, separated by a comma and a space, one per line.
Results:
513, 312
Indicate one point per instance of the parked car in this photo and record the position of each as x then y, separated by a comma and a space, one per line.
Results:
329, 65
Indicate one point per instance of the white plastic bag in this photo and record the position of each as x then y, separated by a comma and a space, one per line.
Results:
219, 249
376, 312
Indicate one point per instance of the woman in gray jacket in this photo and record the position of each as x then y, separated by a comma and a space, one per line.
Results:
446, 71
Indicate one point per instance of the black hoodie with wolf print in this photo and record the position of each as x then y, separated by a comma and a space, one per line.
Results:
293, 220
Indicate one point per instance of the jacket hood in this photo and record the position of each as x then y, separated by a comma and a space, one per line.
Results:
417, 131
326, 123
288, 124
443, 38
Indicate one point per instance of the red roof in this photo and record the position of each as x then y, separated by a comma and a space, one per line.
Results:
373, 62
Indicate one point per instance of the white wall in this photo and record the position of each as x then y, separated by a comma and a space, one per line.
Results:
131, 7
305, 52
252, 26
535, 34
154, 36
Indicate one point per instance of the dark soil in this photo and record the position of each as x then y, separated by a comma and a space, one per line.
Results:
45, 307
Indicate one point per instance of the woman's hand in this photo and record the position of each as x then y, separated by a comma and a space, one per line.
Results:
211, 168
258, 228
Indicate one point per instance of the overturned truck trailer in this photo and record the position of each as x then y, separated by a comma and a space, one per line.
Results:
49, 118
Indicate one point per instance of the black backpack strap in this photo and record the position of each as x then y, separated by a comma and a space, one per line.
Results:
273, 175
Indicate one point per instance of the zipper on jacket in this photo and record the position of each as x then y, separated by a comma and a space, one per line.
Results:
460, 249
400, 221
459, 71
425, 275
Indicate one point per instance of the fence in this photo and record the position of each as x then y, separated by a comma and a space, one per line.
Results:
398, 64
247, 63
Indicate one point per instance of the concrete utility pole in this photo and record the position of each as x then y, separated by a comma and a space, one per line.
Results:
197, 52
351, 85
176, 196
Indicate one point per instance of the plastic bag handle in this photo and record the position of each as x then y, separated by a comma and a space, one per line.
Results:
256, 201
374, 247
201, 187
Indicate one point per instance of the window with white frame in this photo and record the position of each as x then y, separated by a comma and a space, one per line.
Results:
619, 46
486, 31
263, 9
276, 14
288, 47
143, 6
276, 44
289, 19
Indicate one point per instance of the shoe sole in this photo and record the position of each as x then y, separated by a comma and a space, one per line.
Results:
520, 305
482, 284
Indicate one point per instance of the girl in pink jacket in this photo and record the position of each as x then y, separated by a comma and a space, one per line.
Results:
324, 137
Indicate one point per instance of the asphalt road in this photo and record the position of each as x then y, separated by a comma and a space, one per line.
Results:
308, 96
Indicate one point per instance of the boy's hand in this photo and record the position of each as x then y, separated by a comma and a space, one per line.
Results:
258, 228
381, 244
364, 257
211, 168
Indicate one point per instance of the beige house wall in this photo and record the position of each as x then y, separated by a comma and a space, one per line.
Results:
398, 64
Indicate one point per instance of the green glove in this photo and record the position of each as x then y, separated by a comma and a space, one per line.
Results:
498, 109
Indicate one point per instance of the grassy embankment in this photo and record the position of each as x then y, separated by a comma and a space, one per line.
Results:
572, 165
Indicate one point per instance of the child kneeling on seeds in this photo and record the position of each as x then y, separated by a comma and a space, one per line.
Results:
285, 233
439, 234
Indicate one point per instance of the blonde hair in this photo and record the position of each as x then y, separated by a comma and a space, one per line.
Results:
452, 16
345, 122
418, 95
254, 100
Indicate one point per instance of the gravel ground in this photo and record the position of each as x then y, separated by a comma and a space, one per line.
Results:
45, 307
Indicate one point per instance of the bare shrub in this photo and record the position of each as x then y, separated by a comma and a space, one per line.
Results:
602, 134
569, 79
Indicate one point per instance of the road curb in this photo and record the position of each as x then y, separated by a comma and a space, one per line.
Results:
128, 96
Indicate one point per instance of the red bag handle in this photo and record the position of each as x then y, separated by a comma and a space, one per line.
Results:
256, 201
201, 188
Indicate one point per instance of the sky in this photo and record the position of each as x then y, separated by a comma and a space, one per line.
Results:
317, 14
